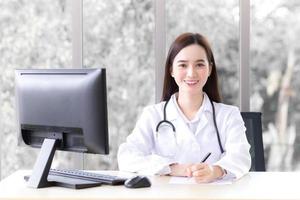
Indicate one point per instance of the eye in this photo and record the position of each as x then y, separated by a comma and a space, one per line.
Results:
200, 65
182, 65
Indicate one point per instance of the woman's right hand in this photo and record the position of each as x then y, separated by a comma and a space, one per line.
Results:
180, 169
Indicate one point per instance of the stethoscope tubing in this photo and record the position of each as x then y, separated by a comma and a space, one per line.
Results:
165, 119
174, 129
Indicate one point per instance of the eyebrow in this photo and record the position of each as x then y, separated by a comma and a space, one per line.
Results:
200, 60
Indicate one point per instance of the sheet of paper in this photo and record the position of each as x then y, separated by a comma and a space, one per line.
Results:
188, 180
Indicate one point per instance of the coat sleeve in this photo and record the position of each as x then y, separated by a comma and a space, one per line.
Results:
137, 153
236, 159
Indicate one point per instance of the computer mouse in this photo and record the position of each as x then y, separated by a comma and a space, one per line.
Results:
137, 182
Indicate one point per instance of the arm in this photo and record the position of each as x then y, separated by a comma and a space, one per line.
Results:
201, 171
136, 154
236, 159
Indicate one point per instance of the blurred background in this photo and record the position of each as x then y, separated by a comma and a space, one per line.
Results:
120, 36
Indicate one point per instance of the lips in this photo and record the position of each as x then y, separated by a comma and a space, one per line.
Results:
191, 82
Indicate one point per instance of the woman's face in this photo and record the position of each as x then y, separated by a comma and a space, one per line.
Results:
191, 69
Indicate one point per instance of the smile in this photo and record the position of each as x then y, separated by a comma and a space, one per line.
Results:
191, 82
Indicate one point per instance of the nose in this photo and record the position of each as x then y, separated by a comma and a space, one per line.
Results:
190, 71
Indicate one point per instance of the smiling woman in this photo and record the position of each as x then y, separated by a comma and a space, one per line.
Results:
191, 69
200, 123
195, 49
218, 19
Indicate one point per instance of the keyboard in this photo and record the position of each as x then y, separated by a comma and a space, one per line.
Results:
89, 176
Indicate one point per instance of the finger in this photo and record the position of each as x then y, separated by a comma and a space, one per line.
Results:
197, 167
198, 174
202, 179
211, 168
206, 171
188, 172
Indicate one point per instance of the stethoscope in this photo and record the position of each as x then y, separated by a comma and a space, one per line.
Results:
174, 129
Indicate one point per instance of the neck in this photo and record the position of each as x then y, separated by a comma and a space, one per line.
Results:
190, 103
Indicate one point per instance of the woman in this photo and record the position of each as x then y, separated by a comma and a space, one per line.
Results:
200, 136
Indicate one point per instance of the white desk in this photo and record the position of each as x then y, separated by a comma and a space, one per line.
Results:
255, 185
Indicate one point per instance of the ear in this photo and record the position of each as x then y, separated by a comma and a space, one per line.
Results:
171, 71
210, 68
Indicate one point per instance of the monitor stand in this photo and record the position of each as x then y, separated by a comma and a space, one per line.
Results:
40, 175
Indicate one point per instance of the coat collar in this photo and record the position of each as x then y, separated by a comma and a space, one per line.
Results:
183, 132
173, 112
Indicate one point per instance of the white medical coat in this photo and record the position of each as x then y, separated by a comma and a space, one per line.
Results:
148, 152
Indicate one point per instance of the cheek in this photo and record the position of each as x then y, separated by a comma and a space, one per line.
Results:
179, 77
204, 73
176, 73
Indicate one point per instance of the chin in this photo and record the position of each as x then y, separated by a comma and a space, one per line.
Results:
193, 91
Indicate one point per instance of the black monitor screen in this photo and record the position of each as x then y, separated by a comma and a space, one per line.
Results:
68, 106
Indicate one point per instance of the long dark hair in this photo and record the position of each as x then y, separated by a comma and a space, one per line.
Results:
211, 87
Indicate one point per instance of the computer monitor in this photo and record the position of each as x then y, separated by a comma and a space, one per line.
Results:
64, 109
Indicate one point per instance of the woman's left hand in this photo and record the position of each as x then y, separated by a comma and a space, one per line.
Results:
204, 173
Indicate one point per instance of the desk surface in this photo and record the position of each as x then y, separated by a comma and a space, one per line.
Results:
255, 185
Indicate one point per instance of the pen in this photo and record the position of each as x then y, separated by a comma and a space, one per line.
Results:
205, 158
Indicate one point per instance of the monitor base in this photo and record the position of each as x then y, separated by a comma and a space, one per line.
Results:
68, 182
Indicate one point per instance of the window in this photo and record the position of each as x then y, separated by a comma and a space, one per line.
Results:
274, 90
118, 35
34, 34
219, 22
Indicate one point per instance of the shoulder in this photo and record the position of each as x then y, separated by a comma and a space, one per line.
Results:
154, 109
149, 116
226, 107
220, 108
226, 110
228, 115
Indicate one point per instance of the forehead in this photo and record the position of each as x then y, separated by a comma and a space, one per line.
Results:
191, 53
